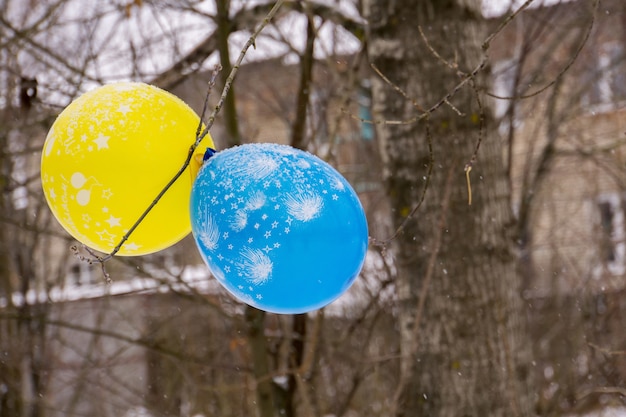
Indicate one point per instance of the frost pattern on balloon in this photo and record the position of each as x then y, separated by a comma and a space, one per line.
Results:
258, 168
336, 184
260, 200
292, 234
304, 206
240, 221
256, 266
256, 201
209, 232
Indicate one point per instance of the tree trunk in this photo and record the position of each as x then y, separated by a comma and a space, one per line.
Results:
257, 341
233, 135
464, 351
11, 328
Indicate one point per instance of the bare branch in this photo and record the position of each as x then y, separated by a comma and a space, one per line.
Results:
202, 134
567, 66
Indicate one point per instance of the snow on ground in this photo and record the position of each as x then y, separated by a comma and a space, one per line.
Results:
195, 278
605, 412
367, 287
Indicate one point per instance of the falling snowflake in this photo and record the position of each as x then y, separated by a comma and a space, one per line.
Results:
240, 221
304, 206
256, 201
255, 266
209, 232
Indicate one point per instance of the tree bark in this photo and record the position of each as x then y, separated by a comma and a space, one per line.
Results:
298, 135
11, 330
229, 110
466, 355
257, 342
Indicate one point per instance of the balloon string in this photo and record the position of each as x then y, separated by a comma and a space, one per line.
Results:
200, 133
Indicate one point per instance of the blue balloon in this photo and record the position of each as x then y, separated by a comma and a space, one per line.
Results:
279, 228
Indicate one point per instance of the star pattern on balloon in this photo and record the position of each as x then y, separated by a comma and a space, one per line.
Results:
108, 154
303, 204
253, 208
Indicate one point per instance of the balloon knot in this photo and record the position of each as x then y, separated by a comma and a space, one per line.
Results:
209, 153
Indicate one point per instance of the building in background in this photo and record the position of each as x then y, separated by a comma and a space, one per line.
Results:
144, 346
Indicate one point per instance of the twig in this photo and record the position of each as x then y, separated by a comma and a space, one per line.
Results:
607, 351
431, 163
602, 390
468, 168
231, 77
200, 135
445, 99
396, 88
573, 59
174, 178
430, 267
216, 70
229, 82
469, 76
465, 79
424, 115
504, 23
454, 109
474, 158
430, 270
345, 101
435, 53
93, 258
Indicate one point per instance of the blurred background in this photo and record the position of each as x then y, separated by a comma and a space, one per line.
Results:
513, 305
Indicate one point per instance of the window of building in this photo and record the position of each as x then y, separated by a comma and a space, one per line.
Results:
612, 237
607, 77
80, 273
504, 85
317, 123
364, 100
504, 73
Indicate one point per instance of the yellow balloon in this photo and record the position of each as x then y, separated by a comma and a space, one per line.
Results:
107, 157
